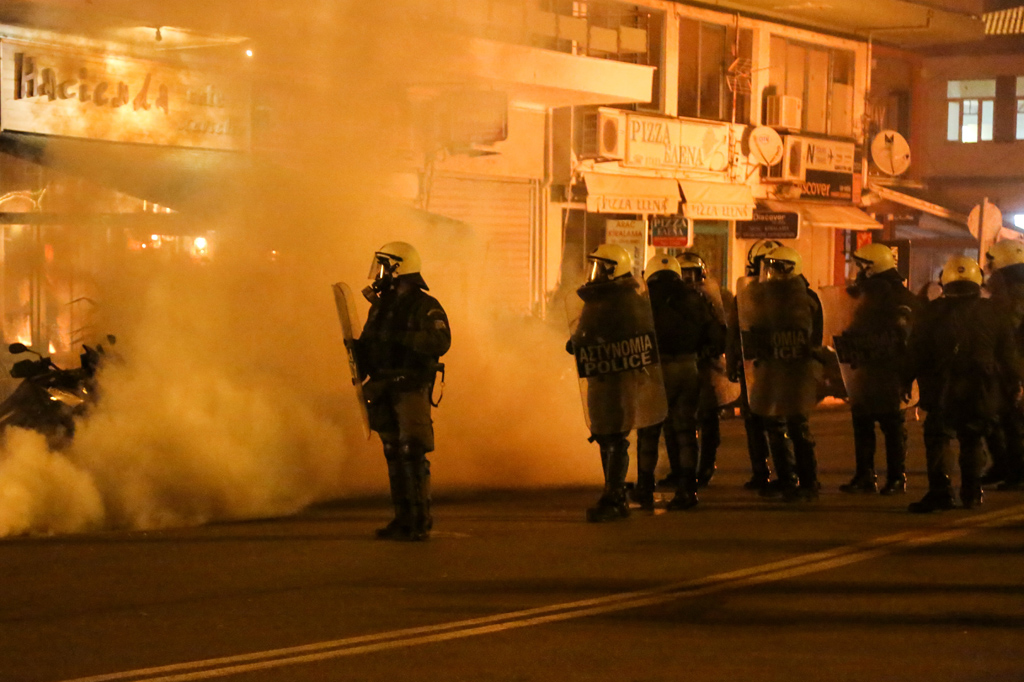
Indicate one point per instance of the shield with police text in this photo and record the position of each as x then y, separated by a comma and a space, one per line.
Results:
869, 334
616, 351
776, 323
345, 304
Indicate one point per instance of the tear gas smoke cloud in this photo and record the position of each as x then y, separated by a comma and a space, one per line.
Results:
231, 399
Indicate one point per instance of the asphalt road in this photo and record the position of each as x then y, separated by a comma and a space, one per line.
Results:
515, 587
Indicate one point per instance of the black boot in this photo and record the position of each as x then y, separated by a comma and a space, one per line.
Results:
416, 472
862, 482
895, 432
757, 449
710, 439
399, 525
938, 498
643, 493
895, 486
613, 504
971, 494
686, 493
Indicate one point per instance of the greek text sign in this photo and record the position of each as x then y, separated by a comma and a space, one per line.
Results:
769, 225
57, 91
674, 144
632, 236
615, 357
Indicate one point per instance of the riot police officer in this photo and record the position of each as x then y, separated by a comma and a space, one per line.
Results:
753, 424
685, 329
781, 332
872, 351
405, 334
963, 355
1005, 265
715, 389
617, 360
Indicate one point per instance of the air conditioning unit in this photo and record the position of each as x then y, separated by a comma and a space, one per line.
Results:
785, 112
603, 135
791, 168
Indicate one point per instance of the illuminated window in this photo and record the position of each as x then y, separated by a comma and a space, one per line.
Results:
1020, 109
970, 110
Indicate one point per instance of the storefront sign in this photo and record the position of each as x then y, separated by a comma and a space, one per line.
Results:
828, 169
614, 203
671, 231
56, 91
632, 236
769, 225
674, 144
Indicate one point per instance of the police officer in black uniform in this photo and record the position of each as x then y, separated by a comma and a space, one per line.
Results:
405, 334
1005, 264
873, 351
617, 360
753, 425
964, 358
781, 326
685, 328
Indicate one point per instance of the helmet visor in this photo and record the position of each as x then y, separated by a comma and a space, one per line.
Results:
692, 275
382, 266
601, 269
772, 269
860, 268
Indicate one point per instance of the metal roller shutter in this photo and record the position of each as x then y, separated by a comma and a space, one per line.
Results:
501, 212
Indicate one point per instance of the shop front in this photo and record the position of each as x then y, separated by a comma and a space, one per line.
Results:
106, 162
676, 177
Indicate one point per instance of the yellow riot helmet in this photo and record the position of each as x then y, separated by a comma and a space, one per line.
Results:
1004, 254
960, 269
608, 262
661, 263
781, 263
757, 253
395, 259
693, 267
874, 259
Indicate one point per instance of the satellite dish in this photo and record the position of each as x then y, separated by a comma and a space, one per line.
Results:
890, 152
766, 148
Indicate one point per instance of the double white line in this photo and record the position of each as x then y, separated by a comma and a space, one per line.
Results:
395, 639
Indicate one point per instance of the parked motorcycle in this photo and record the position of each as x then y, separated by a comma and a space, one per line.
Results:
49, 399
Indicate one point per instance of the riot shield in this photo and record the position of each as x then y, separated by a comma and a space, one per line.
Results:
776, 320
713, 374
346, 313
870, 338
617, 361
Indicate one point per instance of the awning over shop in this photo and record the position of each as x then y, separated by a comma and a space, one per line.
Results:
716, 201
629, 194
930, 208
195, 181
918, 204
826, 215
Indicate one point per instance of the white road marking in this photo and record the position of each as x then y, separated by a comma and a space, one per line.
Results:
766, 573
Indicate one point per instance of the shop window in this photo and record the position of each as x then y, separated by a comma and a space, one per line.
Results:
820, 79
970, 110
714, 71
